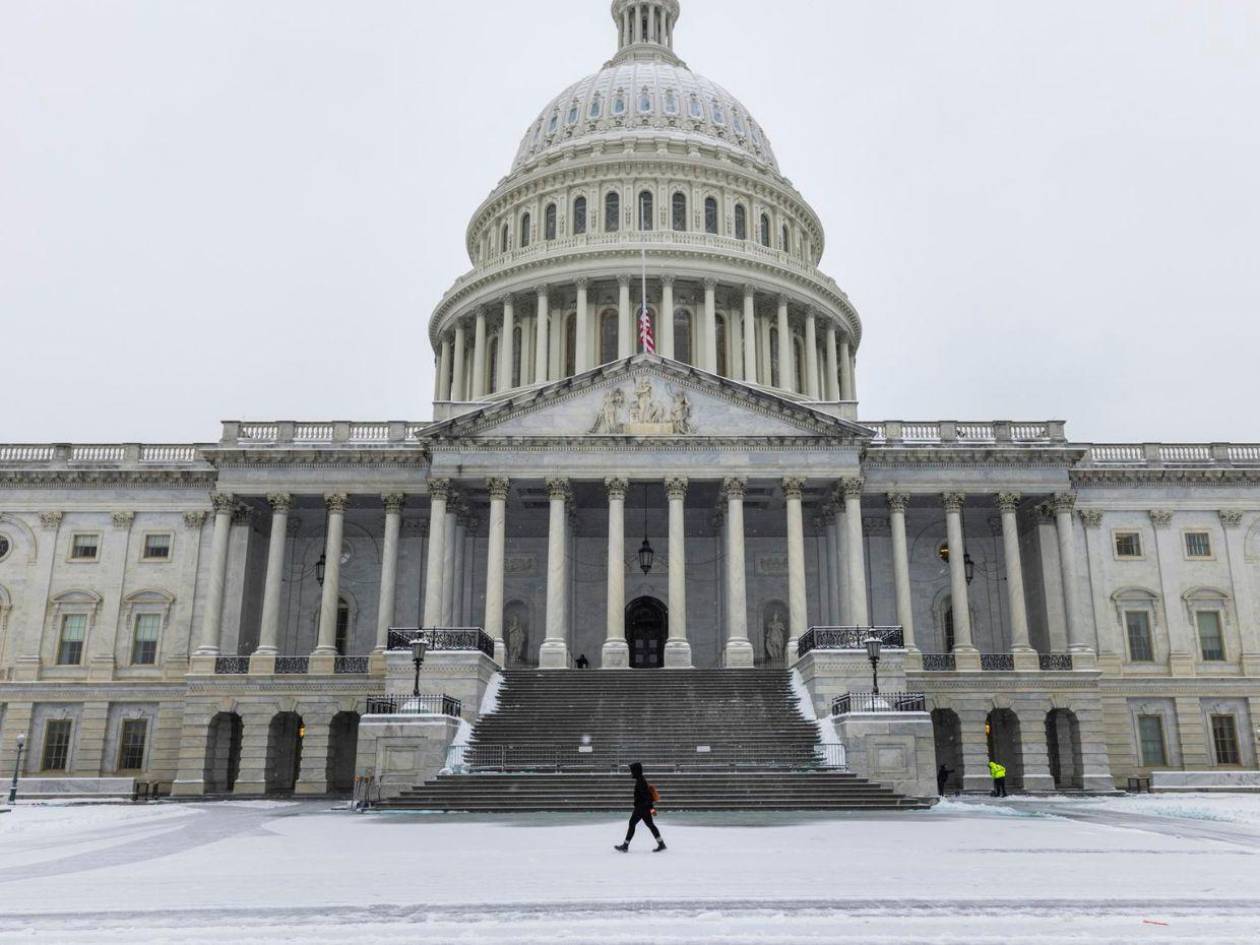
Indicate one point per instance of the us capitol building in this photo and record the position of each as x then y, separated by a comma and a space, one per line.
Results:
699, 488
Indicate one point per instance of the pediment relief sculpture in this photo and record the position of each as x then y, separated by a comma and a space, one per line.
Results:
645, 415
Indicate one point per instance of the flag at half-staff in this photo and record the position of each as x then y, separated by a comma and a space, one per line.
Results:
646, 338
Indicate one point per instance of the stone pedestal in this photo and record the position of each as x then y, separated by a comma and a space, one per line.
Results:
615, 654
461, 674
202, 664
677, 655
1027, 660
831, 673
321, 664
262, 664
553, 654
894, 749
401, 751
738, 655
966, 659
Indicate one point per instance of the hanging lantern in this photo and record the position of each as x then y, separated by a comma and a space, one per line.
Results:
969, 567
320, 566
646, 556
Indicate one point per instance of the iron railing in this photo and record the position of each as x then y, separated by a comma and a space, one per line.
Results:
848, 638
350, 665
852, 702
997, 662
292, 665
939, 663
231, 665
1055, 662
415, 705
443, 638
587, 758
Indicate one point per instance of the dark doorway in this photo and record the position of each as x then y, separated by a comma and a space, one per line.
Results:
284, 752
1006, 745
947, 731
647, 627
343, 743
1063, 746
223, 753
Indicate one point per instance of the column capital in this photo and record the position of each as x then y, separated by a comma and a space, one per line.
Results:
336, 501
223, 502
617, 487
676, 487
782, 300
734, 487
507, 299
1161, 518
582, 282
793, 486
1092, 517
623, 280
710, 285
1008, 501
1064, 502
897, 502
667, 280
394, 502
440, 489
481, 312
954, 501
750, 290
558, 488
280, 501
542, 289
498, 488
191, 519
1230, 518
850, 488
51, 520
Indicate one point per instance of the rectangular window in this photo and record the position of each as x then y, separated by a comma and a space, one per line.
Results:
145, 639
56, 745
157, 547
70, 646
1128, 544
1210, 642
1198, 545
1151, 737
131, 745
1225, 740
1137, 624
84, 547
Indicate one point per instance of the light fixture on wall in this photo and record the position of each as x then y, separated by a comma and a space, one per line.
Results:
646, 554
322, 564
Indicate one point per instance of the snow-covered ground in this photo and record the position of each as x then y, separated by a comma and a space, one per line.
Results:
1114, 870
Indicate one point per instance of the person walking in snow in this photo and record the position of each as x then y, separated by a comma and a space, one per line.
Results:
942, 777
645, 795
998, 774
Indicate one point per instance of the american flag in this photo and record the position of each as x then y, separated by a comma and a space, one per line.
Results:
646, 338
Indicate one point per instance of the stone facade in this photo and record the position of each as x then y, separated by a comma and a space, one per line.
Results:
214, 616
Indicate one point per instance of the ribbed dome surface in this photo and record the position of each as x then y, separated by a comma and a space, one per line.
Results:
649, 96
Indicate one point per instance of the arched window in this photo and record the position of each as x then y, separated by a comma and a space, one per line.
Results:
555, 121
671, 102
645, 100
597, 106
710, 215
619, 103
682, 336
517, 342
608, 335
798, 364
570, 344
612, 212
579, 216
645, 210
680, 211
505, 240
948, 621
695, 108
774, 357
343, 626
722, 363
572, 117
787, 239
741, 222
765, 230
719, 116
549, 222
525, 223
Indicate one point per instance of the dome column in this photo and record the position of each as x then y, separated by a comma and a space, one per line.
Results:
542, 345
665, 318
507, 342
750, 334
581, 333
846, 371
811, 356
444, 372
479, 356
624, 328
710, 326
457, 370
785, 346
833, 366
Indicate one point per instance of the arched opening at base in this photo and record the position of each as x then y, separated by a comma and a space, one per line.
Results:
1063, 746
223, 753
647, 629
343, 745
1005, 746
947, 732
284, 752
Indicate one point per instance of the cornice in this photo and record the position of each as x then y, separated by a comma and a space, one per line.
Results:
970, 456
1129, 476
621, 444
297, 457
86, 478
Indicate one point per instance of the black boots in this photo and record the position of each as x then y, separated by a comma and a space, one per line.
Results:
623, 847
660, 845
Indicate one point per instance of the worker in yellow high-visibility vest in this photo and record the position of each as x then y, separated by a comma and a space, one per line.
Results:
998, 773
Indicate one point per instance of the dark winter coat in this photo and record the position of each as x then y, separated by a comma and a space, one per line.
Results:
642, 793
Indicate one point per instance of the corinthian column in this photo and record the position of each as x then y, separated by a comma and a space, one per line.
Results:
966, 656
458, 386
739, 652
444, 372
785, 347
811, 356
797, 619
507, 344
665, 322
677, 649
616, 653
582, 328
479, 356
854, 554
625, 328
263, 660
846, 371
710, 326
542, 347
1064, 503
211, 622
439, 492
901, 572
832, 387
750, 334
554, 652
326, 647
498, 489
1008, 504
394, 503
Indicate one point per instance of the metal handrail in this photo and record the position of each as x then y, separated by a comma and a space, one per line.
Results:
849, 638
442, 639
415, 705
231, 665
852, 702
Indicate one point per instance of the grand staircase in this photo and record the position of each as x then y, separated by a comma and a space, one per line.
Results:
708, 739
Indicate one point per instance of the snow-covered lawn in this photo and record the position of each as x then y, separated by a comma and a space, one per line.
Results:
974, 872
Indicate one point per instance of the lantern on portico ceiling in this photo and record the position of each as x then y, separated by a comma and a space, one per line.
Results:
646, 554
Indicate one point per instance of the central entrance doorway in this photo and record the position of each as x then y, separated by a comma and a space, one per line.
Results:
647, 628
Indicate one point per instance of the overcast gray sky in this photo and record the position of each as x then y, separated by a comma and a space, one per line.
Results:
248, 208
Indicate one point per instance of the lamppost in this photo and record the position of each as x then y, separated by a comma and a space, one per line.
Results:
17, 767
418, 648
873, 645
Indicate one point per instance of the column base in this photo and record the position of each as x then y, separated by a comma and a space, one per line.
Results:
262, 664
1027, 660
553, 654
1083, 658
376, 662
966, 659
500, 653
249, 788
1039, 783
677, 654
193, 788
913, 662
321, 664
738, 655
202, 664
615, 654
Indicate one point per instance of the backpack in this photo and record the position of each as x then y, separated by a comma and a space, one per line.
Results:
654, 793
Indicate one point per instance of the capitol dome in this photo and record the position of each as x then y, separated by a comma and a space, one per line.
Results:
645, 187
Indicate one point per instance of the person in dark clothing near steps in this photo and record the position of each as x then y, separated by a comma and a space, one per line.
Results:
644, 797
942, 778
583, 662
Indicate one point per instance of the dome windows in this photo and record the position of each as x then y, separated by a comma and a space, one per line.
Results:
694, 108
645, 100
505, 239
549, 222
710, 215
671, 102
741, 222
719, 116
572, 117
612, 212
787, 239
619, 103
765, 230
553, 123
525, 224
738, 120
597, 107
645, 210
679, 212
579, 216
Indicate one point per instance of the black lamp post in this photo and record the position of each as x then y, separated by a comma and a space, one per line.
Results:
17, 767
969, 567
646, 554
873, 645
418, 648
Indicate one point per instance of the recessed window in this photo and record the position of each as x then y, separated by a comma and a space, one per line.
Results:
84, 547
525, 225
682, 335
549, 222
739, 122
710, 215
56, 745
597, 107
572, 117
1137, 626
5, 547
145, 639
1211, 644
579, 216
1198, 545
695, 108
612, 212
741, 222
505, 239
553, 123
1225, 740
1151, 740
671, 102
1128, 544
719, 116
157, 547
765, 230
343, 626
131, 744
70, 643
619, 104
645, 210
645, 101
679, 214
787, 239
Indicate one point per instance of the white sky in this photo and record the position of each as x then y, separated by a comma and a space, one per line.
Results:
248, 208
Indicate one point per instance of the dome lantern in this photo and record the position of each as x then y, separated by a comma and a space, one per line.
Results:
645, 26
